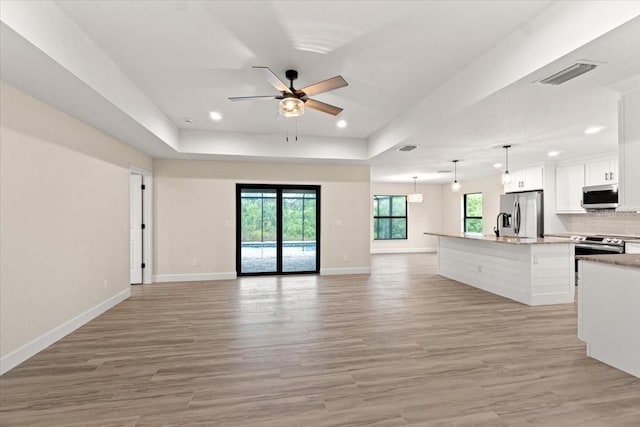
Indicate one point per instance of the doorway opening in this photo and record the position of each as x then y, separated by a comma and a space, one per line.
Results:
278, 229
140, 245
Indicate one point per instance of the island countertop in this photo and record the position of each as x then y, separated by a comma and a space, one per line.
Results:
502, 239
533, 271
626, 260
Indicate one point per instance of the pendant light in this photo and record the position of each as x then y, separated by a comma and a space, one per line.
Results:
506, 178
455, 185
415, 197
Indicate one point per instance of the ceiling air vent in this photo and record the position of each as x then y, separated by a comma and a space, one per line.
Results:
408, 148
571, 72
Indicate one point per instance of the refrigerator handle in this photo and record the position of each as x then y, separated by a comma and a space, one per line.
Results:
516, 214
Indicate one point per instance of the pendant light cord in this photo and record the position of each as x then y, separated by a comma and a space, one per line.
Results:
296, 136
506, 148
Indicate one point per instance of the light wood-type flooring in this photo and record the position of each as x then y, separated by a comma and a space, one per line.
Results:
401, 346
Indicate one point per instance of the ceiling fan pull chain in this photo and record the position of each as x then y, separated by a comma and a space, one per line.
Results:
296, 129
287, 139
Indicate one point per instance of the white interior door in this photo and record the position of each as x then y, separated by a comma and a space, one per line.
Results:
135, 249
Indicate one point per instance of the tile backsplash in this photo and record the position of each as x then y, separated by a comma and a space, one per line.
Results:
604, 222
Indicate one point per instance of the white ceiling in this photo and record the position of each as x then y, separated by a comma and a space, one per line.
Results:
453, 77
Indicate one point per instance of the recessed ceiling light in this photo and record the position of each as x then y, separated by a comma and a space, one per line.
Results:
497, 165
215, 116
188, 121
553, 153
592, 130
342, 124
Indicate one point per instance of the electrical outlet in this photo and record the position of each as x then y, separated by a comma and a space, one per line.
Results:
479, 269
195, 263
345, 257
105, 284
227, 223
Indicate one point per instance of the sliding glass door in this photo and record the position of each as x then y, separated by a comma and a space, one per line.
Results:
277, 229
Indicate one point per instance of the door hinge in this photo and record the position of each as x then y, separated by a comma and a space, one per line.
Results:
142, 265
142, 187
143, 226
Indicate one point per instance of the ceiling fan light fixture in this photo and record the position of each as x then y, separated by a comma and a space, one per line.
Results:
291, 107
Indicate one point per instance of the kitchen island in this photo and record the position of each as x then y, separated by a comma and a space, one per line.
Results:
609, 309
533, 271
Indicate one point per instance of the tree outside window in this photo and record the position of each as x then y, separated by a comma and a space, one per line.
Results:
473, 213
389, 217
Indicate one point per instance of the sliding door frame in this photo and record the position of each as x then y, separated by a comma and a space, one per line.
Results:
279, 189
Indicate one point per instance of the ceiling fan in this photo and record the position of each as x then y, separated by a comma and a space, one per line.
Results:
293, 101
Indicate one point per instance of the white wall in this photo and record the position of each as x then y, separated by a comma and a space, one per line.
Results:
64, 221
421, 217
452, 203
195, 214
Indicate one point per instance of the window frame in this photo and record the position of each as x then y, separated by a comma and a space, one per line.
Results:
465, 217
391, 217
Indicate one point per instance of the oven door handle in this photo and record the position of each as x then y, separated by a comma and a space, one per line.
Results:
616, 249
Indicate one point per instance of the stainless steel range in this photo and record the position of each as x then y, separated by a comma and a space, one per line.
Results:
597, 245
590, 245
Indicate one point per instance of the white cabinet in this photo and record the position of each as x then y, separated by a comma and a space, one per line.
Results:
609, 314
604, 171
629, 152
514, 184
632, 248
525, 180
569, 183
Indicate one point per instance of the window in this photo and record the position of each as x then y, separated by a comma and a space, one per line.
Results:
389, 217
473, 213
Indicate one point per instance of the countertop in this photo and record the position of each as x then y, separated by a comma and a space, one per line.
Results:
626, 260
503, 239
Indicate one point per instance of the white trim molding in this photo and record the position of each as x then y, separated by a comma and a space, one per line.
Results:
196, 277
402, 250
147, 219
340, 271
21, 354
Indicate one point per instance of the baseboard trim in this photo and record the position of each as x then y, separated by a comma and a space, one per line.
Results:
402, 250
195, 277
21, 354
340, 271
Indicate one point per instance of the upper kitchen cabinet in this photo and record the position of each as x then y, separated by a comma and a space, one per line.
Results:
569, 183
600, 172
629, 151
525, 180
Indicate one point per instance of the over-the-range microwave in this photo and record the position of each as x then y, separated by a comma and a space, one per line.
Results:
600, 196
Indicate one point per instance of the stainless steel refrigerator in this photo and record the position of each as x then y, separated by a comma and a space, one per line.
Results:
524, 214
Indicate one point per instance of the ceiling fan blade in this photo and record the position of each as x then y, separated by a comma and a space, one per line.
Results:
253, 98
321, 106
324, 86
271, 77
